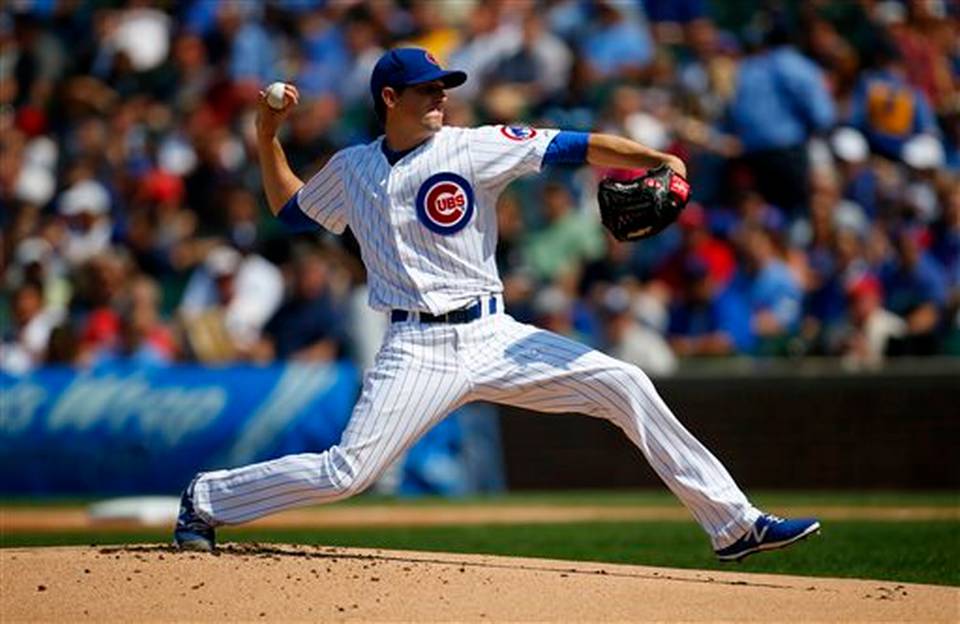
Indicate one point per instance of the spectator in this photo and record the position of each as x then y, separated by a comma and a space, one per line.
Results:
698, 244
828, 254
192, 74
779, 103
35, 58
35, 261
771, 291
947, 250
553, 311
144, 340
708, 318
101, 283
140, 34
252, 51
541, 65
924, 37
431, 30
25, 341
312, 127
518, 283
668, 16
161, 231
323, 49
85, 207
619, 264
628, 340
916, 289
887, 109
863, 340
567, 238
363, 49
860, 179
486, 43
707, 75
618, 45
227, 302
306, 328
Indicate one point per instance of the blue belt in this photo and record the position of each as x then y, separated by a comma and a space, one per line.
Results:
463, 315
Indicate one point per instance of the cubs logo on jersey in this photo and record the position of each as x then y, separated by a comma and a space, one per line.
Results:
518, 133
445, 203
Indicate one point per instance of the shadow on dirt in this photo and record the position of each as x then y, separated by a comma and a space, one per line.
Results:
295, 551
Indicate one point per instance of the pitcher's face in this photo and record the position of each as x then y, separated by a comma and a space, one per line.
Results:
423, 104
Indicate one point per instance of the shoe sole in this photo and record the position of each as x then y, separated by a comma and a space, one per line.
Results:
810, 530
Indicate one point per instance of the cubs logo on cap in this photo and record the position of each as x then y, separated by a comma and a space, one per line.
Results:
518, 133
431, 58
445, 203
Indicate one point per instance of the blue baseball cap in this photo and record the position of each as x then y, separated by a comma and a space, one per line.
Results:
403, 67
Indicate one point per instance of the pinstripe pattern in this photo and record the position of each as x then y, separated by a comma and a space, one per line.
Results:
409, 267
522, 365
414, 383
425, 371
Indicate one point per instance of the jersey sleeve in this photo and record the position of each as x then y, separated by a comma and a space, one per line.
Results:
323, 199
501, 154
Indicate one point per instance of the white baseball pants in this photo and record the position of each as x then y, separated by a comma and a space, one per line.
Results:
424, 371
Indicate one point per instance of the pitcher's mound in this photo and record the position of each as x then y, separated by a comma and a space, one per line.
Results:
277, 582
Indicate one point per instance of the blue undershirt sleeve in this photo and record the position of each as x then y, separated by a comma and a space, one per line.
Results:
567, 148
294, 218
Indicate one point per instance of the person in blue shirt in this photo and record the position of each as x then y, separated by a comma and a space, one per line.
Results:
781, 100
773, 294
916, 290
620, 46
709, 319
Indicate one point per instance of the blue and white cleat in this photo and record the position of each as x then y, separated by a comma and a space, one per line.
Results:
769, 533
192, 532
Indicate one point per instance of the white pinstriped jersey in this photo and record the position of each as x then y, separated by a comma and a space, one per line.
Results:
427, 225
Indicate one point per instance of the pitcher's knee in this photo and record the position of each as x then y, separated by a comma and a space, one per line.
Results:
352, 485
350, 473
625, 384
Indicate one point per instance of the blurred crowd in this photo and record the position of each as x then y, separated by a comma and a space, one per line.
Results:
822, 139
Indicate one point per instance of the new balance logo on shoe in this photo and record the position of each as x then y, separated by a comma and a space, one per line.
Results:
767, 533
757, 533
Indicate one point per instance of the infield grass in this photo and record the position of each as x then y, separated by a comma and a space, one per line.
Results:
926, 551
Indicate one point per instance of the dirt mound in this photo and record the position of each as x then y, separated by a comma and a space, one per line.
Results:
274, 582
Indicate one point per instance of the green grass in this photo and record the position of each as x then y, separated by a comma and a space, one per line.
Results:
922, 552
915, 551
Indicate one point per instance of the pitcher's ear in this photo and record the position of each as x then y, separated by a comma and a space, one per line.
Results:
389, 95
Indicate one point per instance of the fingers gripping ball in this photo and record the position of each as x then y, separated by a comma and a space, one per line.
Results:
276, 95
644, 206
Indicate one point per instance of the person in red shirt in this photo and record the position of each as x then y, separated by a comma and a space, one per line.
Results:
700, 244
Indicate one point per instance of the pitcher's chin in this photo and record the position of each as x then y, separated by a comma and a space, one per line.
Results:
433, 120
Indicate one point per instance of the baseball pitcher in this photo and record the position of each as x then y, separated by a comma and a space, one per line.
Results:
421, 201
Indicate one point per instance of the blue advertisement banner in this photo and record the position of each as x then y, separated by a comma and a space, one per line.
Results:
133, 430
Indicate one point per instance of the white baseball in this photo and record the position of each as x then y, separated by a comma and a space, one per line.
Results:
275, 95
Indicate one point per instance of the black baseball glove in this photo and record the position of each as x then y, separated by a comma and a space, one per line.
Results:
643, 206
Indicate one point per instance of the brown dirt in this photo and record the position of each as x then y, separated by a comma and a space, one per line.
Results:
284, 583
13, 519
